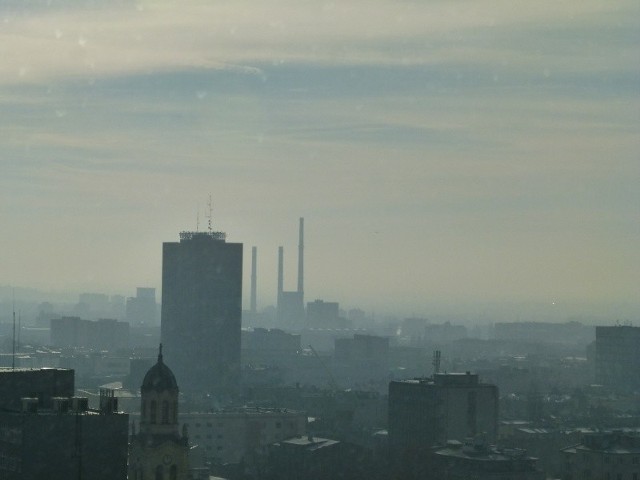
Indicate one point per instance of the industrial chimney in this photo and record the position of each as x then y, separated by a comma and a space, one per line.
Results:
254, 279
301, 259
280, 276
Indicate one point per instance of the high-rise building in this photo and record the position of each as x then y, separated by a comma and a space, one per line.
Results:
202, 309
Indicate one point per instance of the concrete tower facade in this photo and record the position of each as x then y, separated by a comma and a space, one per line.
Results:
202, 310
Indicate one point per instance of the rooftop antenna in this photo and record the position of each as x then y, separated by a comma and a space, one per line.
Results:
209, 215
19, 327
13, 354
436, 362
198, 219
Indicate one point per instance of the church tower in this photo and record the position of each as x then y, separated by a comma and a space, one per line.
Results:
159, 451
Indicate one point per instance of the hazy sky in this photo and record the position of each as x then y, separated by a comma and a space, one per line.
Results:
439, 150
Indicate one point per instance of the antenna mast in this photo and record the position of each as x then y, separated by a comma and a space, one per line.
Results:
13, 354
210, 214
19, 327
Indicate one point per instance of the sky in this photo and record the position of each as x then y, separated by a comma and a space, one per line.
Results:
440, 151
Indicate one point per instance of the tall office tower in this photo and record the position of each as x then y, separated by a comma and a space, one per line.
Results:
202, 310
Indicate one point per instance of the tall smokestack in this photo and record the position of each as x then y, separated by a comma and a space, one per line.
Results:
280, 275
301, 258
254, 279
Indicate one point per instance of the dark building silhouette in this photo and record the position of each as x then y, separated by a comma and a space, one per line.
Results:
321, 314
103, 334
159, 450
429, 411
364, 351
46, 432
202, 310
618, 357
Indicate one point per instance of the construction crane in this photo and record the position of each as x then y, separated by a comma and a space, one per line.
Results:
332, 381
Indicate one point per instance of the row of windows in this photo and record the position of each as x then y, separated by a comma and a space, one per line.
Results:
221, 425
168, 414
159, 474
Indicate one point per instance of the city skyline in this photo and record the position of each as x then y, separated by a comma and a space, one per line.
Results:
439, 152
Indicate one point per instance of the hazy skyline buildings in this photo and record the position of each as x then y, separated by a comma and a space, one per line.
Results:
494, 146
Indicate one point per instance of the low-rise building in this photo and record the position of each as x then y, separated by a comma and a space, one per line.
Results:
229, 436
613, 455
476, 460
46, 432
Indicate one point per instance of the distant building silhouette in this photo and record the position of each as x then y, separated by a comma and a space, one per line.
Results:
202, 310
142, 309
321, 314
103, 334
158, 450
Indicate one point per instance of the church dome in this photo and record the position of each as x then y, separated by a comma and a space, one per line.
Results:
159, 377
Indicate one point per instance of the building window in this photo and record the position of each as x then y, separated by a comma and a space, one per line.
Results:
165, 412
635, 460
173, 473
635, 476
159, 472
153, 410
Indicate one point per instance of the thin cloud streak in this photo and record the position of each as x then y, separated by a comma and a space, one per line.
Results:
495, 141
